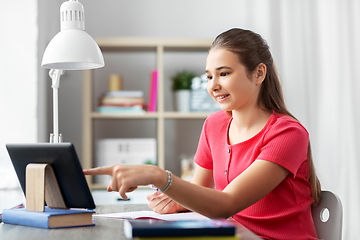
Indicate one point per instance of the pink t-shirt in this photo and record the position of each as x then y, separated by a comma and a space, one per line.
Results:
285, 213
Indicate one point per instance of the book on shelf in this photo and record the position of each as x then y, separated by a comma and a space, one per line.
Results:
50, 218
152, 98
123, 93
121, 109
121, 101
189, 228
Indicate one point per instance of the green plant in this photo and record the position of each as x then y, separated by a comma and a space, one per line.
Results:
182, 80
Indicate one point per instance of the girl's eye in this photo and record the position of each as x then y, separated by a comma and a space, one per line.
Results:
223, 74
209, 77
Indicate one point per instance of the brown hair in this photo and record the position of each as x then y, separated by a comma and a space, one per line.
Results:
252, 50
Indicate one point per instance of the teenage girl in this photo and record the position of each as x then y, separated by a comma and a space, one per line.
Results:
253, 160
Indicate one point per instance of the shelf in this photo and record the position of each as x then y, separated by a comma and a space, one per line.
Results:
111, 44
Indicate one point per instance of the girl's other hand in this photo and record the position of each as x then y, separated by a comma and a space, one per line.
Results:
161, 203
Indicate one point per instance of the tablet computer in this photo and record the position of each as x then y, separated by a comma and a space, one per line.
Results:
63, 159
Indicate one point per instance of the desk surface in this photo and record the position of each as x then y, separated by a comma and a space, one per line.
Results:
105, 228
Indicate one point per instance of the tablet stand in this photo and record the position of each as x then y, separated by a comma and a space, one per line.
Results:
42, 186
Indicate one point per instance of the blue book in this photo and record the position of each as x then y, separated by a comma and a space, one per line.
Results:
123, 93
50, 218
189, 228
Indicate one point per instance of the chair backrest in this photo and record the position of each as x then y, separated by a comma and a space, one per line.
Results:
327, 215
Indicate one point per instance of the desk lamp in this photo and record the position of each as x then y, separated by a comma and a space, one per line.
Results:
71, 49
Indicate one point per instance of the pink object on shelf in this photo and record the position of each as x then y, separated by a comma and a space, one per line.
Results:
153, 91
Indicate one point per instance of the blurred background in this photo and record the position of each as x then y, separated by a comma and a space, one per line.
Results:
315, 45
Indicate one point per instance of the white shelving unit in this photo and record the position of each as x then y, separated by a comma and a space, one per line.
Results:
159, 46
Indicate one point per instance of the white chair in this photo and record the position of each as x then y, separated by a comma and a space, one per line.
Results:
327, 215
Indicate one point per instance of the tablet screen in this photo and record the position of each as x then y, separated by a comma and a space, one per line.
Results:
65, 163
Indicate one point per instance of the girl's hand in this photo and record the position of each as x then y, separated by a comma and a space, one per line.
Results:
161, 203
126, 178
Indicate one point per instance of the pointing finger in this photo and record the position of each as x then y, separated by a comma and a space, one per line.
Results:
122, 191
98, 171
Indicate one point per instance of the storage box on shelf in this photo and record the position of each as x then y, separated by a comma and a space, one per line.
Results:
120, 45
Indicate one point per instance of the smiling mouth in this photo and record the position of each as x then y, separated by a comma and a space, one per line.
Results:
219, 98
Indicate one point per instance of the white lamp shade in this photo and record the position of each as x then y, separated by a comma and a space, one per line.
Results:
72, 49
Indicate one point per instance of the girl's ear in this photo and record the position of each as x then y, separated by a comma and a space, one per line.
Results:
260, 73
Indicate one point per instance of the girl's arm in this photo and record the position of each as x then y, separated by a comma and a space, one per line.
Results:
246, 189
203, 177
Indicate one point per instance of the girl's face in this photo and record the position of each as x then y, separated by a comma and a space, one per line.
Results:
228, 82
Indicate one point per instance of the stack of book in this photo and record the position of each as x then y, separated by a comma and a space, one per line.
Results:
50, 218
122, 101
151, 229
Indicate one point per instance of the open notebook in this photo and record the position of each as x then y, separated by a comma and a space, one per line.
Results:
153, 215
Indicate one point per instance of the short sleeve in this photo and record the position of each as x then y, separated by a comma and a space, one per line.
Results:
286, 143
203, 156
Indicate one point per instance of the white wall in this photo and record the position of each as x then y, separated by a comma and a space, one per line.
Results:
18, 80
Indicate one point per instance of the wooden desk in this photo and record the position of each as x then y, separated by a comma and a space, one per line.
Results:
105, 228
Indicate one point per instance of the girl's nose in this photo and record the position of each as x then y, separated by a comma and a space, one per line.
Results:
214, 85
